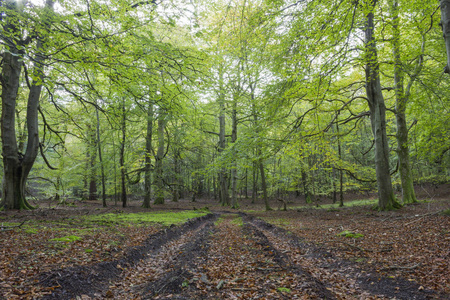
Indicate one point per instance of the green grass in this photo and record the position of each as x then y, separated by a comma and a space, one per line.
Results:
145, 218
335, 206
238, 221
67, 239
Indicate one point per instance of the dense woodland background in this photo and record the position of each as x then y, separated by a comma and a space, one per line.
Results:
162, 100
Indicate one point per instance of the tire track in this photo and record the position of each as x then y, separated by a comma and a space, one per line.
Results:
242, 265
345, 279
94, 280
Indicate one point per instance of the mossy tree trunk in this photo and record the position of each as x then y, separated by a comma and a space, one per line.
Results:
159, 172
16, 165
401, 100
386, 198
148, 155
123, 129
445, 23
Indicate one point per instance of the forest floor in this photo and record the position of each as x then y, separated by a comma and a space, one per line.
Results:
219, 253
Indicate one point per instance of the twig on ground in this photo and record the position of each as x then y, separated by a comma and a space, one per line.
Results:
401, 268
3, 228
422, 216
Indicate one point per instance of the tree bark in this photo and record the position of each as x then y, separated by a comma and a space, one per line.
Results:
92, 157
159, 182
264, 185
445, 24
341, 173
255, 182
176, 171
100, 158
401, 100
17, 166
259, 161
123, 194
223, 174
234, 199
148, 162
386, 198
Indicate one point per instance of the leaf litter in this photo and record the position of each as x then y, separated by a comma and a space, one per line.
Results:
296, 255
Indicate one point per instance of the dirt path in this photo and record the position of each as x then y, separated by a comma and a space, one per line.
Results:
227, 256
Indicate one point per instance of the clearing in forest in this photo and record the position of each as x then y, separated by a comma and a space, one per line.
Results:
306, 253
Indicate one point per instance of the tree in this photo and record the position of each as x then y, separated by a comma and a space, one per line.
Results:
16, 165
386, 198
402, 96
159, 171
148, 154
445, 24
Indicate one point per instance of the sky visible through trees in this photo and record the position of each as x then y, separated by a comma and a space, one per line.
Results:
163, 100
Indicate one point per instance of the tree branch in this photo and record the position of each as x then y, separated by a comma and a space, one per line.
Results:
45, 158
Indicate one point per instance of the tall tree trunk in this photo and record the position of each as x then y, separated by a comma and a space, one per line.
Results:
246, 184
223, 174
402, 97
13, 189
255, 172
122, 157
306, 192
259, 161
148, 161
17, 166
263, 184
234, 199
445, 23
115, 172
92, 158
100, 158
386, 198
341, 172
176, 171
159, 182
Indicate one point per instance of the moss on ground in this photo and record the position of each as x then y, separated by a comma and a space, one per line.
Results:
144, 218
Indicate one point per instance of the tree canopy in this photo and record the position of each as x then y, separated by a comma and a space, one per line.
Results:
223, 99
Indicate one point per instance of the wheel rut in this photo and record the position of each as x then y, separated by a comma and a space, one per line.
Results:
226, 256
241, 264
346, 280
93, 281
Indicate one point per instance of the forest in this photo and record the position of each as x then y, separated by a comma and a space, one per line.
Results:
160, 131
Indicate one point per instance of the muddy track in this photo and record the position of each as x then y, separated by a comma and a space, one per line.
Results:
227, 256
338, 274
310, 285
93, 280
183, 266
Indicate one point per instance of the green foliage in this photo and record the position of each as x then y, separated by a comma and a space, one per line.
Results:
446, 212
289, 84
434, 179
